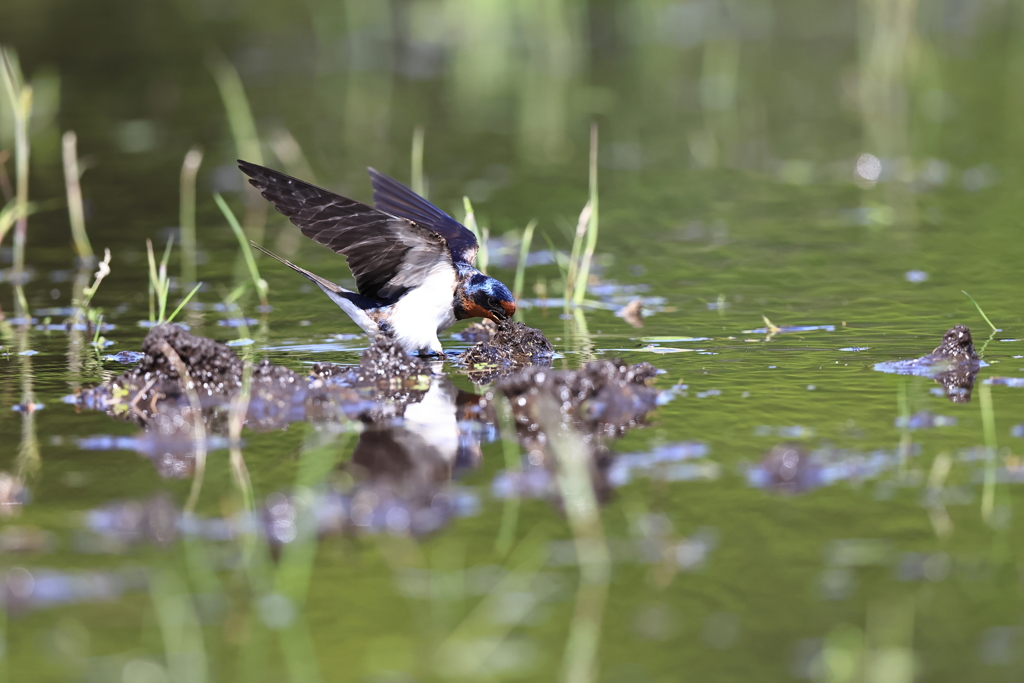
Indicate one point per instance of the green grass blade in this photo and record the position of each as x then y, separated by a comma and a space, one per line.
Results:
580, 288
12, 212
236, 104
418, 185
554, 256
187, 212
482, 256
524, 254
153, 279
254, 273
994, 328
183, 302
73, 188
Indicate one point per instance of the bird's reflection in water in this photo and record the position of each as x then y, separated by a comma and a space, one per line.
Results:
416, 429
417, 451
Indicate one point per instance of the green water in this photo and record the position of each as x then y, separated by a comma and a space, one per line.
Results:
730, 136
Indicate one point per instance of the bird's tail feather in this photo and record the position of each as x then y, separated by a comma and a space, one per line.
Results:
323, 282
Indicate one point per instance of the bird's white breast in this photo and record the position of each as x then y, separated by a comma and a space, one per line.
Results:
425, 310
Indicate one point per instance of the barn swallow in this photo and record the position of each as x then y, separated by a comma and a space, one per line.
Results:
412, 262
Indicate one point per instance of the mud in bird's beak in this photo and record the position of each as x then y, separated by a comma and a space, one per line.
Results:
509, 308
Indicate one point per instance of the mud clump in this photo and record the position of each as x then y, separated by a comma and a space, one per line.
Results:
603, 396
511, 344
597, 402
212, 366
956, 345
954, 364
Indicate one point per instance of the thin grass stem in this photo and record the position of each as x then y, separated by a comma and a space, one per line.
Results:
513, 463
524, 255
236, 105
482, 257
184, 301
187, 213
994, 328
254, 273
580, 288
988, 421
573, 269
165, 283
418, 185
20, 96
73, 188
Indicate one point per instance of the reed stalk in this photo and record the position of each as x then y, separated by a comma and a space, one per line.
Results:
187, 213
73, 188
160, 286
236, 105
988, 421
254, 273
245, 135
524, 254
20, 96
418, 184
482, 257
580, 287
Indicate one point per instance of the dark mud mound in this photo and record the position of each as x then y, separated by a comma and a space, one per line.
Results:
606, 396
386, 373
954, 364
154, 395
213, 367
512, 344
956, 346
597, 402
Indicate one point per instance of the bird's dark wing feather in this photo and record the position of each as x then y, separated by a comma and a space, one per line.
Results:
395, 198
387, 254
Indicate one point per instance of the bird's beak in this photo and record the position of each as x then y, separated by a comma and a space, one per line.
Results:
509, 308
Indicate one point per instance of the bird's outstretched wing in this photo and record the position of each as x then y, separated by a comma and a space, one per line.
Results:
395, 198
387, 254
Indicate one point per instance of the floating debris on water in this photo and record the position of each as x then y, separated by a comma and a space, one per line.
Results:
633, 312
793, 468
924, 420
126, 357
786, 329
1015, 382
792, 432
661, 464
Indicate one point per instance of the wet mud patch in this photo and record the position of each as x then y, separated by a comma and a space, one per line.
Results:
154, 395
598, 402
417, 428
510, 344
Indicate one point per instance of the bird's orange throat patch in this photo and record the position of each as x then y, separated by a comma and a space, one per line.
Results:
471, 309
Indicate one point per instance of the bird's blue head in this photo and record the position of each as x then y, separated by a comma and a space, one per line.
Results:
484, 297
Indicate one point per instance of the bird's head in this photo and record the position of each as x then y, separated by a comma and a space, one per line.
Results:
484, 297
